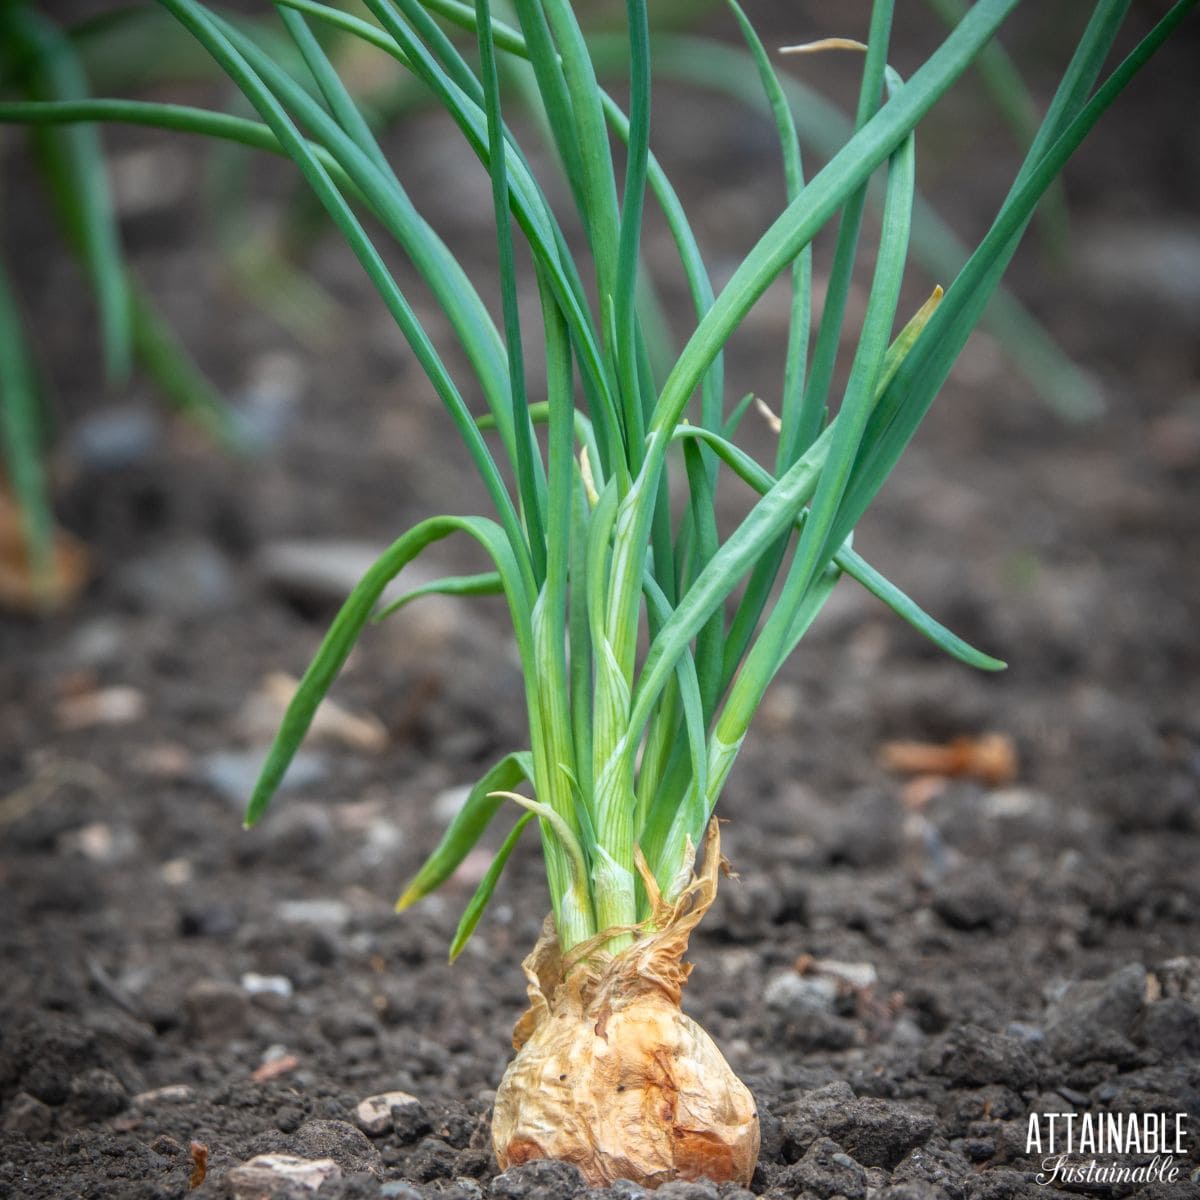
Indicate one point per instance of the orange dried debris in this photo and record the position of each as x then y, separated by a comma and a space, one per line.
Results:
26, 590
990, 758
199, 1153
275, 1068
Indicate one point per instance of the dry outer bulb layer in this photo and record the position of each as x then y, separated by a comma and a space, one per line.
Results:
610, 1075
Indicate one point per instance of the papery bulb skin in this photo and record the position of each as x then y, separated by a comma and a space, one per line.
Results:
651, 1099
612, 1076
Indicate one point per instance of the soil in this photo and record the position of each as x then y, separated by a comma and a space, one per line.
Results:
903, 972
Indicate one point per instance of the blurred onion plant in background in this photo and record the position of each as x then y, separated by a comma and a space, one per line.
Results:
138, 46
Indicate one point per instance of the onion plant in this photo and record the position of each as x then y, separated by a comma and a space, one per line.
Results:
631, 742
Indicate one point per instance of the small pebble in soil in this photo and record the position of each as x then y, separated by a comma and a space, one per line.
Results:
232, 773
265, 709
268, 991
173, 1093
1154, 263
794, 995
317, 574
1024, 1032
101, 843
115, 705
448, 802
113, 438
189, 577
280, 1175
324, 913
858, 976
380, 1114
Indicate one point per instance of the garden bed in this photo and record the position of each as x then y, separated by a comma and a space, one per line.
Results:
902, 972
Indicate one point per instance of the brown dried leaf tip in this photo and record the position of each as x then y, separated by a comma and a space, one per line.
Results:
610, 1075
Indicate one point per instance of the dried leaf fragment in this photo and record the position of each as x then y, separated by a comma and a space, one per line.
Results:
991, 758
199, 1152
275, 1068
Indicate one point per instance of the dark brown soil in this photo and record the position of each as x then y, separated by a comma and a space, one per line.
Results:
1032, 949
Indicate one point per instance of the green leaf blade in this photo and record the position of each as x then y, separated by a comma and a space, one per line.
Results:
468, 826
353, 617
20, 423
74, 165
487, 886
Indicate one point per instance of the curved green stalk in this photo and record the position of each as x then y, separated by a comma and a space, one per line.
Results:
193, 15
705, 63
811, 557
799, 223
181, 118
921, 375
829, 336
626, 332
530, 480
